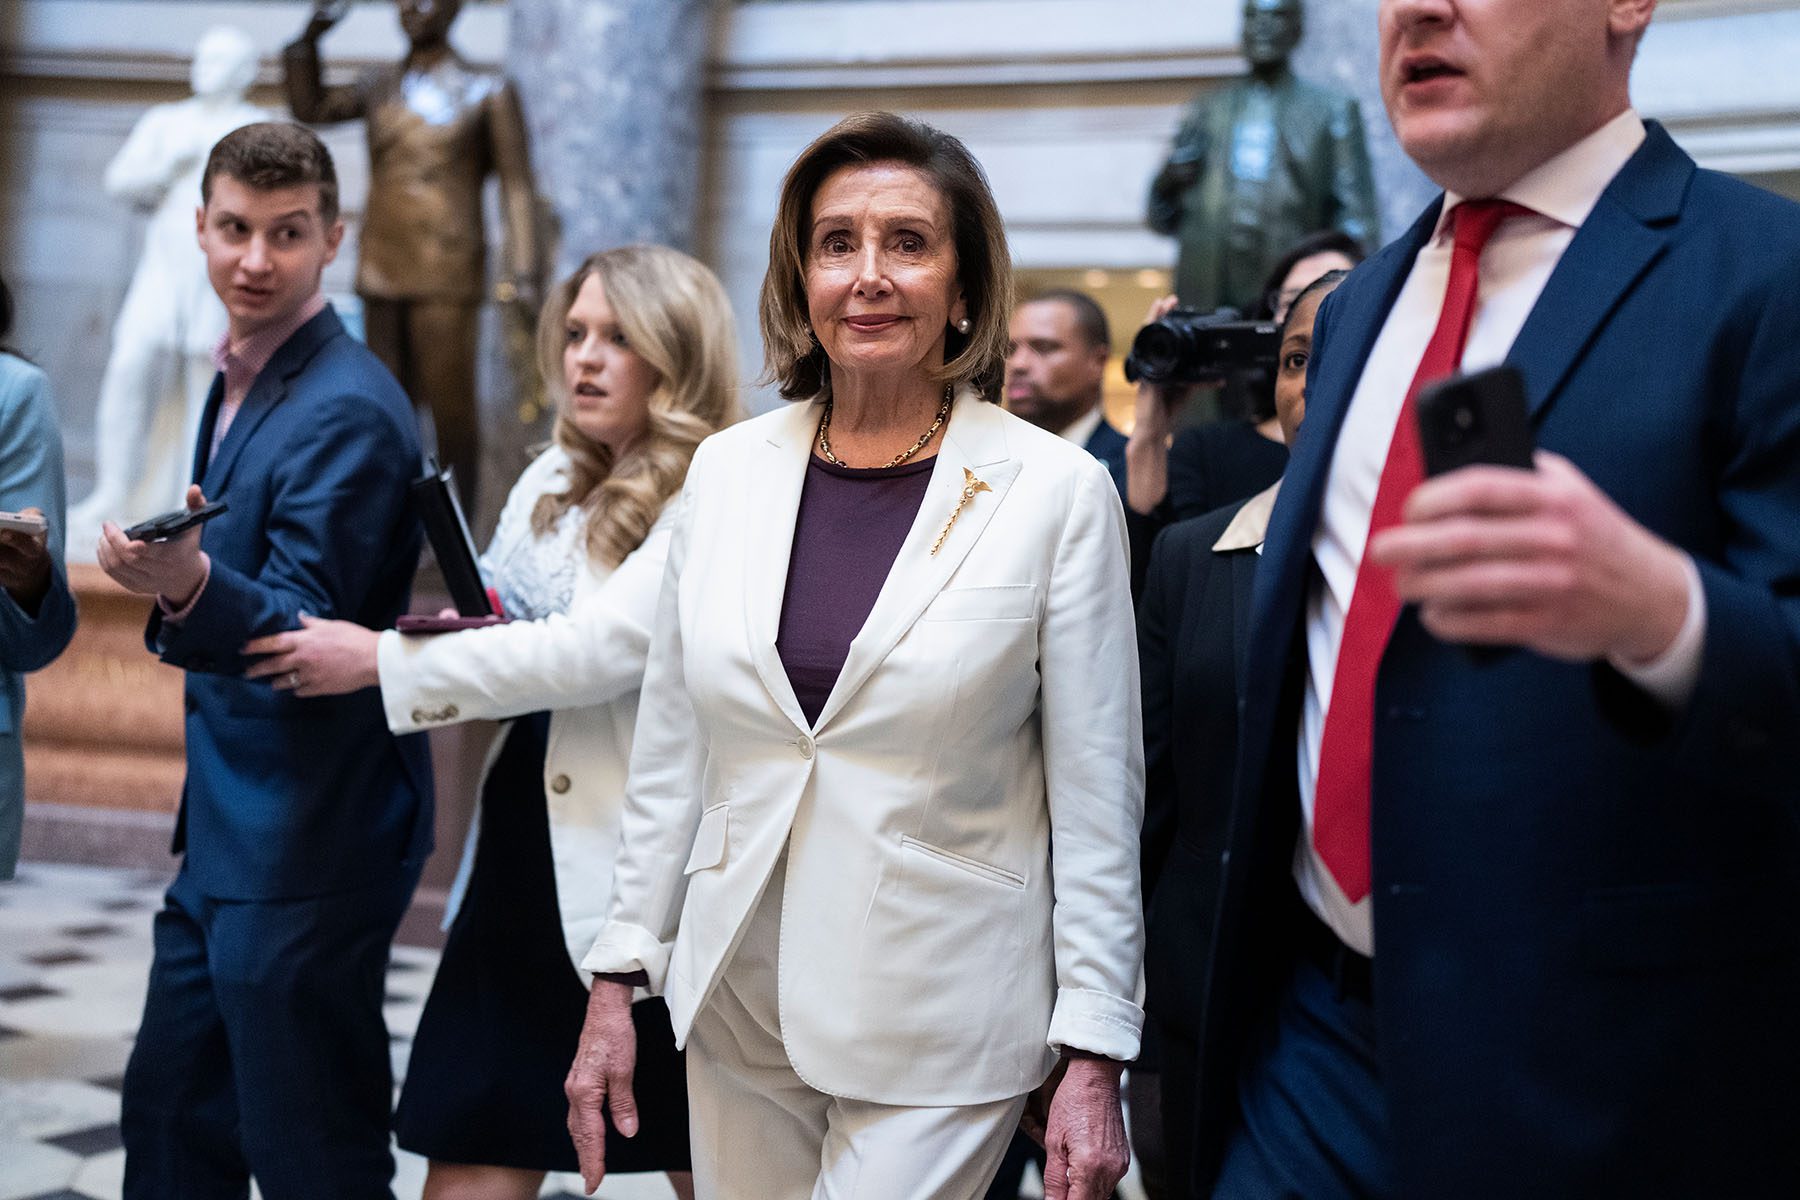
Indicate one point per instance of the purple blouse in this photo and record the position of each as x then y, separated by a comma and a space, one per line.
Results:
848, 533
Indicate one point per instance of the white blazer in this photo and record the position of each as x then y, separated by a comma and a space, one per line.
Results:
586, 666
933, 950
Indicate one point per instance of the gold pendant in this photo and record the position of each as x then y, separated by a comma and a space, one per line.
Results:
971, 485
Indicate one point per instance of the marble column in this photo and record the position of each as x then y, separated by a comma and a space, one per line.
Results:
1339, 49
613, 93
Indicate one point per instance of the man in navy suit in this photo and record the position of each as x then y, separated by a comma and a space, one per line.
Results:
1508, 904
1056, 352
262, 1049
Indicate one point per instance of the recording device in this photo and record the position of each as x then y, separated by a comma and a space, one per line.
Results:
21, 523
434, 495
1476, 418
173, 524
1189, 346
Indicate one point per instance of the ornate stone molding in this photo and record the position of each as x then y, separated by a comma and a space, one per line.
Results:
785, 45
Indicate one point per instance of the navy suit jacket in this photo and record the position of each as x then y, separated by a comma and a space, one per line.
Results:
1587, 966
290, 797
1108, 445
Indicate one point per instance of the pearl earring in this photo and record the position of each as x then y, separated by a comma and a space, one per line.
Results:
963, 326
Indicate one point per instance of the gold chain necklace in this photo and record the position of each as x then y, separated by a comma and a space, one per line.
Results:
943, 414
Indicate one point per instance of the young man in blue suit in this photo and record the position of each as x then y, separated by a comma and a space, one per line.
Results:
1508, 904
263, 1050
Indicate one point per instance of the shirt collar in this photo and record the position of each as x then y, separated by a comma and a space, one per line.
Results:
1567, 187
254, 352
1082, 428
1250, 527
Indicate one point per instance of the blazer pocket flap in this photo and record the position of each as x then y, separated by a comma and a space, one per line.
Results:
1007, 602
709, 839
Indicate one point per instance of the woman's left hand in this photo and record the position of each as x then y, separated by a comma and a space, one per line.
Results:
1085, 1136
321, 658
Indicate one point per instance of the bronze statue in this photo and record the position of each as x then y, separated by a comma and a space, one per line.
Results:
1257, 165
437, 126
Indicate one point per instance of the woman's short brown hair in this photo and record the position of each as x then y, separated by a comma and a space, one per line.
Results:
792, 357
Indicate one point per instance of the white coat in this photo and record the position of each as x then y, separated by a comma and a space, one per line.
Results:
933, 949
586, 666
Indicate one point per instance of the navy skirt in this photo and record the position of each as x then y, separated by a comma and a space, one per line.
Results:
500, 1028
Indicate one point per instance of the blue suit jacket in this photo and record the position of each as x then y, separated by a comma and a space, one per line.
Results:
31, 474
1587, 960
288, 797
1108, 445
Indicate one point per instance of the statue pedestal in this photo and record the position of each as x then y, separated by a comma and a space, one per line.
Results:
103, 737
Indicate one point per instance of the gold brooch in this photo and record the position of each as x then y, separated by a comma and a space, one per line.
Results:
971, 485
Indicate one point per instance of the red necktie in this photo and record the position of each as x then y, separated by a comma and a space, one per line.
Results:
1341, 797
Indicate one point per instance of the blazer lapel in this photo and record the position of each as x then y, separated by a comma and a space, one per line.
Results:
975, 440
270, 389
209, 417
772, 506
1622, 237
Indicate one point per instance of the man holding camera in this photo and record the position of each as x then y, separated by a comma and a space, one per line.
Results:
263, 1050
1507, 905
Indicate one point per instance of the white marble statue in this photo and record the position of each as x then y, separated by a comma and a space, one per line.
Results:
160, 365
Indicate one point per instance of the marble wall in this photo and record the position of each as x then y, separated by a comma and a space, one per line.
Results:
675, 119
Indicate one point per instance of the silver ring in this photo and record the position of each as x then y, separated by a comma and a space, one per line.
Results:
293, 679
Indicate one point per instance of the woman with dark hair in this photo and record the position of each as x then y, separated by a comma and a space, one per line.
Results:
893, 665
1191, 626
1302, 263
37, 611
638, 348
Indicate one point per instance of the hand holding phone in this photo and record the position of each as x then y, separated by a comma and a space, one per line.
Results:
29, 523
173, 524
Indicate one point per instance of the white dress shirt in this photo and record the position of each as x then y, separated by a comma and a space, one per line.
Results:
1515, 266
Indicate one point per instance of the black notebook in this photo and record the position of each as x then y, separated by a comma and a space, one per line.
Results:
435, 495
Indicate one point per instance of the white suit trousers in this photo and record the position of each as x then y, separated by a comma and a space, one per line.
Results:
760, 1132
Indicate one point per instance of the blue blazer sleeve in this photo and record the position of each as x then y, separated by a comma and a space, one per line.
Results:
339, 494
31, 475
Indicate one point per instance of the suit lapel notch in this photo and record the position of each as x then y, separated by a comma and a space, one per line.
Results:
269, 389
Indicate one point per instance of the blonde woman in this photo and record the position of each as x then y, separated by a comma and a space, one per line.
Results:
639, 344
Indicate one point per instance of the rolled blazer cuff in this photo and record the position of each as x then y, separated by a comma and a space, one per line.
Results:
1097, 1022
621, 949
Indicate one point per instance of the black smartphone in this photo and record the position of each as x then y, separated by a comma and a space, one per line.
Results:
1475, 418
171, 524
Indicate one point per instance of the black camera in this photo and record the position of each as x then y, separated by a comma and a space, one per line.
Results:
1188, 346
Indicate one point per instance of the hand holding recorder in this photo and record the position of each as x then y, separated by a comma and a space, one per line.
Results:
1498, 553
161, 556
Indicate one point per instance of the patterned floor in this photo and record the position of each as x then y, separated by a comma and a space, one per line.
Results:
74, 955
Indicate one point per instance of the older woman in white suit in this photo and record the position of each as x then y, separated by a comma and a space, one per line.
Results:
879, 849
638, 347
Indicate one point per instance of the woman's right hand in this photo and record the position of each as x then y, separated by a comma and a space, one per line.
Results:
321, 658
600, 1079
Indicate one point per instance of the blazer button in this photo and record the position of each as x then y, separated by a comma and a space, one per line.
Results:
560, 784
418, 716
805, 746
449, 712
